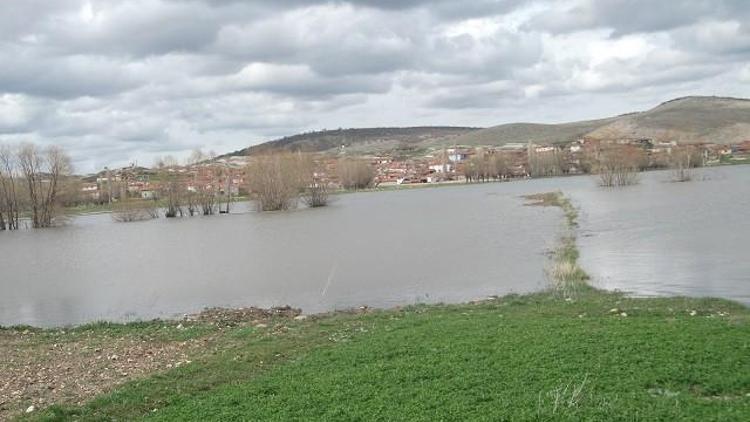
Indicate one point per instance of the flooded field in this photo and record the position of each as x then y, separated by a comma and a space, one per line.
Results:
384, 249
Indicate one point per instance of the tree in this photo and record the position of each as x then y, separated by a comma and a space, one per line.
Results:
275, 181
545, 163
172, 192
9, 206
129, 210
682, 160
355, 174
618, 165
485, 166
42, 172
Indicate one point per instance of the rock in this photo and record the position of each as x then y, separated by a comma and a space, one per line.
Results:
693, 313
614, 311
30, 409
261, 325
180, 326
623, 314
300, 317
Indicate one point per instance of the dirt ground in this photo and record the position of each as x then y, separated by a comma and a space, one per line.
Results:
43, 367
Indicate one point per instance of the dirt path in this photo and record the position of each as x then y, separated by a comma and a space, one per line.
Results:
43, 367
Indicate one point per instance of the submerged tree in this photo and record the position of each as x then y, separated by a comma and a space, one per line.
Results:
275, 181
42, 172
129, 210
618, 165
354, 173
545, 163
9, 204
682, 161
485, 166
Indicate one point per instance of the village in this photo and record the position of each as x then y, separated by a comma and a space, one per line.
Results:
227, 175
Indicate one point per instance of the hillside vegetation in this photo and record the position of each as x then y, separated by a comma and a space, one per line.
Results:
718, 120
361, 140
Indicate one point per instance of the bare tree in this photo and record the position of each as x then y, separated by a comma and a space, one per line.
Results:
129, 210
172, 193
485, 166
683, 160
273, 182
618, 165
9, 206
545, 163
207, 198
191, 202
316, 195
42, 172
355, 174
277, 179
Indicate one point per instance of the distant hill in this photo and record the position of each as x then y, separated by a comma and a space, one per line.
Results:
358, 140
686, 120
531, 132
694, 119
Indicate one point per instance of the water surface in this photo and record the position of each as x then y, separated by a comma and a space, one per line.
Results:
384, 249
378, 249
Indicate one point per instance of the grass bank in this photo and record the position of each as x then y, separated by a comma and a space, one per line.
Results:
566, 276
600, 356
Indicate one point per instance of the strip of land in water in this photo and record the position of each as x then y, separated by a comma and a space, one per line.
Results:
570, 353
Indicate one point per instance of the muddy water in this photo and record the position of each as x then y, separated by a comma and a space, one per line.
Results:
377, 249
447, 244
664, 238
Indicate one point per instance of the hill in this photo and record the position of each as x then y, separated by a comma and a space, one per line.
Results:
717, 120
720, 120
531, 132
358, 140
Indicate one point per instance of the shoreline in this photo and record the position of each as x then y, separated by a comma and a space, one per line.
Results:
71, 366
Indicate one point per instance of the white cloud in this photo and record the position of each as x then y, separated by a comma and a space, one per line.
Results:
116, 81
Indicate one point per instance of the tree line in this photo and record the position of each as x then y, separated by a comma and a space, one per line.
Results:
278, 181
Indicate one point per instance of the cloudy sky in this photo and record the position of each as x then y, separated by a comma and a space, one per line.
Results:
119, 81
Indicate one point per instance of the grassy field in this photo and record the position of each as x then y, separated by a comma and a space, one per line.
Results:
592, 356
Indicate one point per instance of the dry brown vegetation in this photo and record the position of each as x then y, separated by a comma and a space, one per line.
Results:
129, 210
618, 165
277, 180
546, 163
682, 161
355, 174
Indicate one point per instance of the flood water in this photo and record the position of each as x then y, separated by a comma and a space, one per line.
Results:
665, 238
382, 249
379, 249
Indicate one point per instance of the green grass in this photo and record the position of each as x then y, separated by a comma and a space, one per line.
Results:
600, 356
566, 276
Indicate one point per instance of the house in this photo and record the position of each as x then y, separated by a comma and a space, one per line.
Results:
90, 190
441, 168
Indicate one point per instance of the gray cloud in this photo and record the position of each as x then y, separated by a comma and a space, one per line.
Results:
116, 81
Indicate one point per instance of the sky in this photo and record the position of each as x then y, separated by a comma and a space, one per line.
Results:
116, 82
